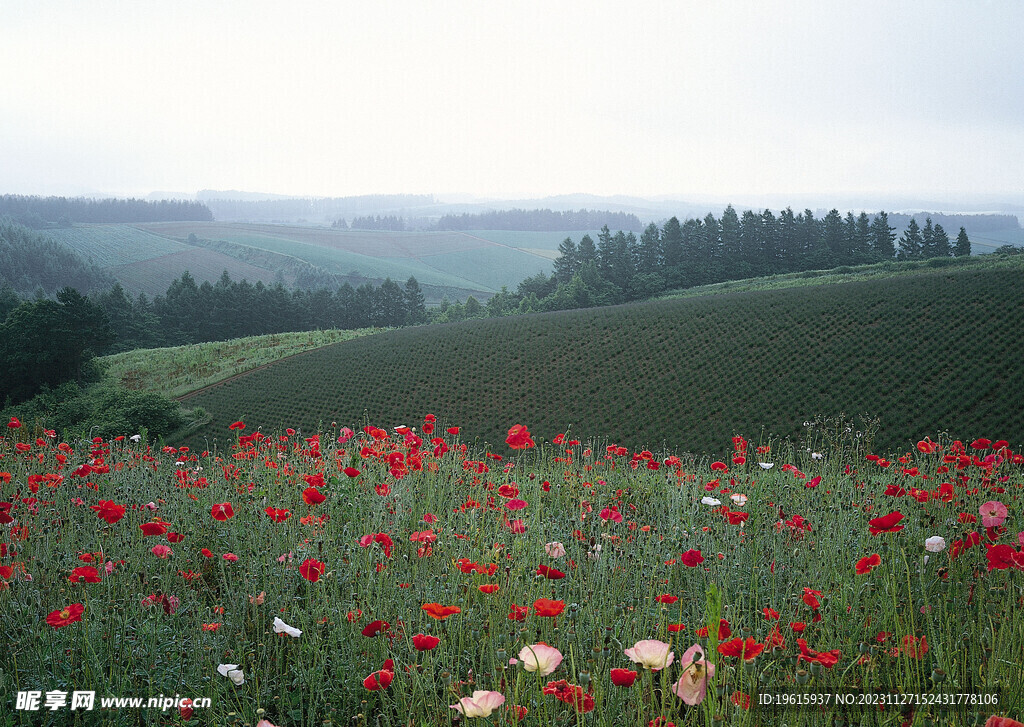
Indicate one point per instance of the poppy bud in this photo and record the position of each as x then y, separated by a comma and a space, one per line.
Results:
938, 675
817, 669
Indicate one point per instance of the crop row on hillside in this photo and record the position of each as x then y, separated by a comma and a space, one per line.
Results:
939, 349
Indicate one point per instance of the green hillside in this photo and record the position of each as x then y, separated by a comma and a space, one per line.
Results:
938, 349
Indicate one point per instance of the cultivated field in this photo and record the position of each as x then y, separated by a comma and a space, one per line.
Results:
939, 345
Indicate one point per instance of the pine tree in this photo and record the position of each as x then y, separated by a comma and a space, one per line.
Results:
883, 237
911, 242
415, 303
586, 252
649, 251
567, 262
928, 239
963, 245
942, 246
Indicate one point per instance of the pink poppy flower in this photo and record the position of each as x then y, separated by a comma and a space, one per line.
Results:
993, 514
651, 654
481, 704
692, 686
540, 658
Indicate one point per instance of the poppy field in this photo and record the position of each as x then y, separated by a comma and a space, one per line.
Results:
402, 576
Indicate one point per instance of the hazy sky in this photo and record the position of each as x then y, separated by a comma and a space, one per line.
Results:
512, 98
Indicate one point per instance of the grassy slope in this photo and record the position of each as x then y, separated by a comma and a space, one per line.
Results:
925, 351
181, 369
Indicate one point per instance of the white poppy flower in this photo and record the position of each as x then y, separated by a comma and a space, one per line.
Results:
280, 627
232, 672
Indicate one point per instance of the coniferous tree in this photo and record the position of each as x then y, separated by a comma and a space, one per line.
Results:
861, 247
942, 246
928, 239
649, 257
567, 262
673, 253
883, 237
587, 251
415, 303
910, 242
963, 245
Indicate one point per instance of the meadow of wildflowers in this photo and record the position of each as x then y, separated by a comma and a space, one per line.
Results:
401, 577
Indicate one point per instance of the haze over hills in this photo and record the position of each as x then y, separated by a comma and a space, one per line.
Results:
648, 209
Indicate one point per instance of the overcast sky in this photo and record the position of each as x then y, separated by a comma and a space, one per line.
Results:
513, 98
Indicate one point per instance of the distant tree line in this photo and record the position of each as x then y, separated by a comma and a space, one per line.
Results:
544, 220
42, 212
388, 222
320, 209
622, 267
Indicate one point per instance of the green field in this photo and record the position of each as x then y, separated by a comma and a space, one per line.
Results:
443, 259
933, 347
179, 370
145, 258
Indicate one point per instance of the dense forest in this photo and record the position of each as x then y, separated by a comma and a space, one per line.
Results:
43, 212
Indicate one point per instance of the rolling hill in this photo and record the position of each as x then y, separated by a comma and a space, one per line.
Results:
145, 258
938, 349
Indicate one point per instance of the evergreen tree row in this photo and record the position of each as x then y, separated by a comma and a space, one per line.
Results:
193, 313
42, 212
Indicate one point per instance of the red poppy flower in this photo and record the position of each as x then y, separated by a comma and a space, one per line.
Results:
312, 496
518, 613
382, 678
666, 598
827, 659
222, 512
810, 597
155, 527
623, 677
438, 612
519, 437
312, 569
351, 472
866, 564
798, 626
886, 524
770, 614
691, 558
375, 627
68, 615
552, 574
237, 425
489, 588
277, 515
425, 642
84, 574
108, 510
676, 628
748, 649
737, 518
570, 694
14, 423
547, 608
